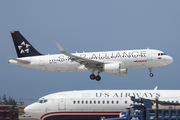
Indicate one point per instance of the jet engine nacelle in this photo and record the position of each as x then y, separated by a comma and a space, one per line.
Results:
115, 69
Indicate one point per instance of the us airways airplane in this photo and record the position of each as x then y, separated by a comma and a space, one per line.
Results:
94, 104
114, 62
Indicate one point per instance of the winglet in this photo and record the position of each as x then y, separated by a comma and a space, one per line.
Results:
60, 48
156, 88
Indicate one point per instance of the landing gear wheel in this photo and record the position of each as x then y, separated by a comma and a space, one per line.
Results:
151, 74
92, 76
98, 78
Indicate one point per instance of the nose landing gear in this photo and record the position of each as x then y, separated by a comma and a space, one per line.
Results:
151, 74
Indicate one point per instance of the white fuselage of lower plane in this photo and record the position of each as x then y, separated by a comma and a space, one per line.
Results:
93, 104
144, 58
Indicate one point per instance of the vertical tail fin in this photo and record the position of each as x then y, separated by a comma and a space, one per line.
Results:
23, 47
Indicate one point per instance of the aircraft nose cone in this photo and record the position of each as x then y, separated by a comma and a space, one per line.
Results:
168, 60
30, 110
27, 109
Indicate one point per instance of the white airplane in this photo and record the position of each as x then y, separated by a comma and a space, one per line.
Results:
94, 104
114, 62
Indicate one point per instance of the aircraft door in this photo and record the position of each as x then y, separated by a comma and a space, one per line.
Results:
41, 62
62, 102
149, 55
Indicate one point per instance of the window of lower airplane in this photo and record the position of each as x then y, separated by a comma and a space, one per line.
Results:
86, 102
94, 102
112, 102
90, 102
74, 102
82, 102
41, 101
78, 102
117, 102
108, 102
103, 101
98, 102
45, 101
125, 102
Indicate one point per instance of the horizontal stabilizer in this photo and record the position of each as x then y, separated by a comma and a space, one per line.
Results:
21, 61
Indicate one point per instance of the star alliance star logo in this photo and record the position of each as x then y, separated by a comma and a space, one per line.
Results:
24, 48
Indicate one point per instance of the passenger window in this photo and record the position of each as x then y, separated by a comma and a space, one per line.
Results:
94, 102
103, 101
86, 102
125, 102
117, 102
74, 102
78, 102
90, 102
112, 102
82, 102
108, 102
98, 102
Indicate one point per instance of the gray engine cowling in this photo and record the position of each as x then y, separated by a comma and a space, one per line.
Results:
115, 69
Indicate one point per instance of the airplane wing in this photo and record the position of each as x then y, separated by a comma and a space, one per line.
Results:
87, 62
140, 100
21, 61
166, 103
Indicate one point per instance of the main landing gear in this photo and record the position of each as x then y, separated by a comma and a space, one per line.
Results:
151, 74
92, 77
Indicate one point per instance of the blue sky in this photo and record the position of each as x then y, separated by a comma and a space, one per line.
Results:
88, 26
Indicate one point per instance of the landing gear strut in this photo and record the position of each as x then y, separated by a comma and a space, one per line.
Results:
92, 77
151, 74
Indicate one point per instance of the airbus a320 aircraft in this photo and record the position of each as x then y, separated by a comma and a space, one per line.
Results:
94, 104
114, 62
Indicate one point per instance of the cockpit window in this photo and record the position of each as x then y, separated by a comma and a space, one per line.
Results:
42, 101
161, 54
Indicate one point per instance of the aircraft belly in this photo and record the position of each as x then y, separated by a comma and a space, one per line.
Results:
62, 67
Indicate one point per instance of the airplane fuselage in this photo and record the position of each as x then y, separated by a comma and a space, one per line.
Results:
93, 104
